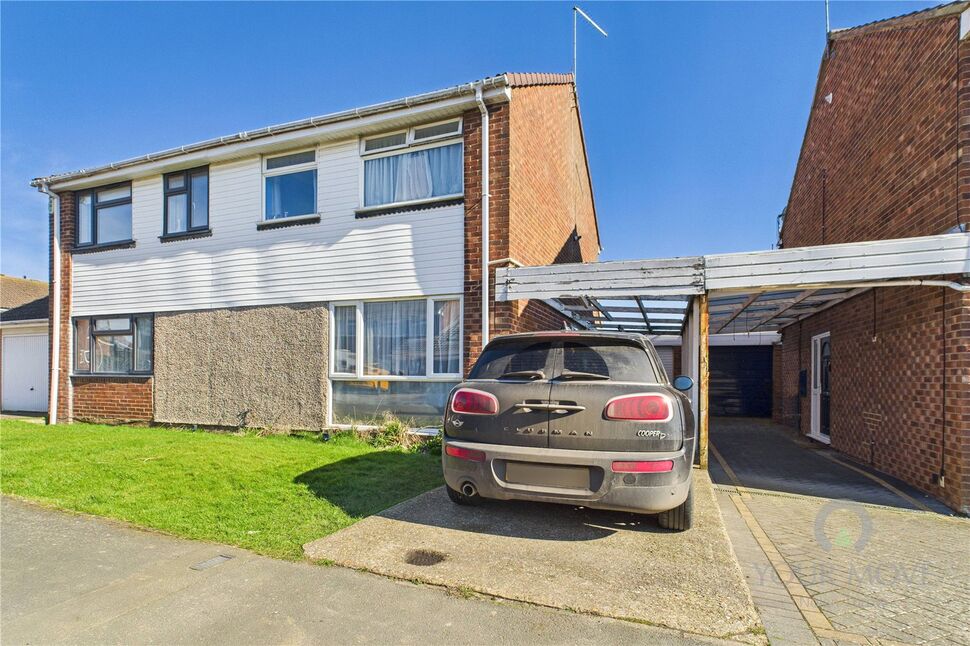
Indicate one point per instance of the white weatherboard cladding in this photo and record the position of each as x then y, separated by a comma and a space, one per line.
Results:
342, 257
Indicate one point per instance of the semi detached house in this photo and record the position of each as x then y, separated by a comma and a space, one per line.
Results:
319, 272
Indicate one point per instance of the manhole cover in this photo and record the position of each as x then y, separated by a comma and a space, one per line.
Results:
214, 561
424, 557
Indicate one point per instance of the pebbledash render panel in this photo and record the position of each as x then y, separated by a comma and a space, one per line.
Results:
317, 273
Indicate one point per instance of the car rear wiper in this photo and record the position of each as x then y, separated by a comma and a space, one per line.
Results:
523, 374
574, 374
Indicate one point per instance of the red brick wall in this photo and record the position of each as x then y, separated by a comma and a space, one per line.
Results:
777, 392
115, 400
880, 161
539, 194
892, 404
886, 159
67, 242
550, 199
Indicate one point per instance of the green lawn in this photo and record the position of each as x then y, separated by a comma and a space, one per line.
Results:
268, 494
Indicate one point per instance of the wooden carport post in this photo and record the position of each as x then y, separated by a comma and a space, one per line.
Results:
704, 374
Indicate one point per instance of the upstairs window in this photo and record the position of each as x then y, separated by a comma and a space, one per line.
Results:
290, 185
103, 215
425, 163
186, 201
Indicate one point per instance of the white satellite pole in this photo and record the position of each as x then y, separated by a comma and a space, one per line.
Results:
577, 10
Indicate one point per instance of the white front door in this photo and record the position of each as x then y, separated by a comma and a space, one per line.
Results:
24, 372
821, 362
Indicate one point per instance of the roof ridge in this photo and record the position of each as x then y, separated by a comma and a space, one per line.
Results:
929, 13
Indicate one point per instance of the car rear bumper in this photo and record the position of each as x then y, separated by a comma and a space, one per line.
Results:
556, 475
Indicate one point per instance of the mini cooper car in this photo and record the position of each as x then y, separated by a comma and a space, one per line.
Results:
579, 418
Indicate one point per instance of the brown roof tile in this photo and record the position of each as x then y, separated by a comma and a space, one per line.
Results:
15, 292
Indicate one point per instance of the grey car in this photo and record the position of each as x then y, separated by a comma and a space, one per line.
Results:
579, 418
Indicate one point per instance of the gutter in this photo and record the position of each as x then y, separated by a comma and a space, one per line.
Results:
465, 90
485, 204
54, 203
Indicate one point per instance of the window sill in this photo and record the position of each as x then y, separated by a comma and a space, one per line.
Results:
288, 222
185, 235
428, 378
95, 248
102, 376
420, 205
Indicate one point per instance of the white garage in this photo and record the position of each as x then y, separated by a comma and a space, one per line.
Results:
25, 375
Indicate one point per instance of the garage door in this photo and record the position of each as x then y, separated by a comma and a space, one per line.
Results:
740, 381
24, 372
667, 358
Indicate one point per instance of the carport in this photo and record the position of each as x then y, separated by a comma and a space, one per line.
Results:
739, 293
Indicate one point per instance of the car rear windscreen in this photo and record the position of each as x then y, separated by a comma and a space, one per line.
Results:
613, 359
511, 356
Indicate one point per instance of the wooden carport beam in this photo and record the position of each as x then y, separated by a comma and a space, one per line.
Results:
784, 308
737, 311
704, 370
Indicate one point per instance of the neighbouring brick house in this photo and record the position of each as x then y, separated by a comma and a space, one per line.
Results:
317, 272
885, 156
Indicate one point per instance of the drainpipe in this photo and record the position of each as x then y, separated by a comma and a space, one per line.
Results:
485, 189
54, 203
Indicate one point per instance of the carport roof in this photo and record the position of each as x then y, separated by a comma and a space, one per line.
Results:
749, 292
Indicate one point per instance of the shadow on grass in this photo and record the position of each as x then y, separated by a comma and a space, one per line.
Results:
370, 484
366, 484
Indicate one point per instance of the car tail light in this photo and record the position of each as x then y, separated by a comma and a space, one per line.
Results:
474, 402
643, 407
650, 466
465, 454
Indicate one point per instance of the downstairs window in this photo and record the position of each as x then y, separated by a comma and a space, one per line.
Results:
400, 357
114, 345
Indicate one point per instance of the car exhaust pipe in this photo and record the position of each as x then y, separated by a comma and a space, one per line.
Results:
469, 490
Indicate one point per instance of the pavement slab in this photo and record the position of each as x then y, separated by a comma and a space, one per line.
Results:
606, 563
76, 579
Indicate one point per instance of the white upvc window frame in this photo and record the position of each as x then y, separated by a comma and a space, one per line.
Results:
409, 147
288, 170
409, 138
429, 373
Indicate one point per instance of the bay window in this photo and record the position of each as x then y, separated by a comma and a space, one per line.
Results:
420, 164
290, 185
113, 345
103, 215
396, 356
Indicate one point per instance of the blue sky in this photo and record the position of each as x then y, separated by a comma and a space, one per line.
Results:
694, 112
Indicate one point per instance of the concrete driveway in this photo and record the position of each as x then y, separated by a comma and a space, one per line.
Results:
75, 579
613, 564
834, 552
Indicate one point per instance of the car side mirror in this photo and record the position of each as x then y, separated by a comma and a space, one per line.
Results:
683, 383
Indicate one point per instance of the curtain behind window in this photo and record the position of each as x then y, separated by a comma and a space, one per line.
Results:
413, 176
394, 338
447, 328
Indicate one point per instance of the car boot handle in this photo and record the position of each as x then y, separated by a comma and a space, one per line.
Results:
564, 408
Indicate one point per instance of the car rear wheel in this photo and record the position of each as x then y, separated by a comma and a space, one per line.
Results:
679, 518
459, 498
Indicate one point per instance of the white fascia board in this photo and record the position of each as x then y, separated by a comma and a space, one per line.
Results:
603, 280
828, 265
343, 128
